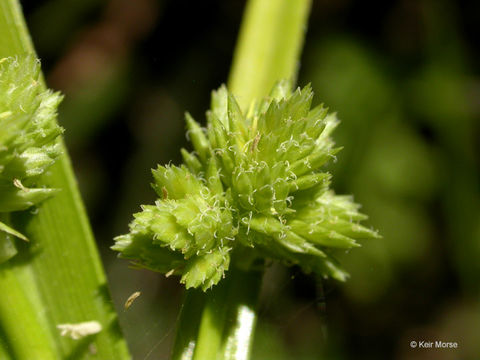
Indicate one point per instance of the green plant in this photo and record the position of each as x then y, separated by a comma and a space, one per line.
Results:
56, 278
254, 189
28, 139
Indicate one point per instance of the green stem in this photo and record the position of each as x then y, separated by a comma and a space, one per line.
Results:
187, 328
23, 317
268, 50
242, 316
15, 38
20, 301
224, 330
212, 323
57, 278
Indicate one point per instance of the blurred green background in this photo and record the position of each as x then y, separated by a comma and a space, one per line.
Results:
403, 77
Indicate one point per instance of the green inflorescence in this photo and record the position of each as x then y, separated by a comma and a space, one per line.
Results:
253, 187
28, 141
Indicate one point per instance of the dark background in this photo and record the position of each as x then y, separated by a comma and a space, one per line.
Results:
403, 77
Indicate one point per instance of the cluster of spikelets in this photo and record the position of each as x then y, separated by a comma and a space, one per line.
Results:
253, 188
28, 140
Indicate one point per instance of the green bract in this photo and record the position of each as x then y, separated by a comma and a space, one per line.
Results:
28, 140
253, 187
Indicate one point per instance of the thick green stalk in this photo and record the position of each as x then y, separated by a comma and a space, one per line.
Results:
212, 323
22, 315
242, 314
57, 278
224, 330
229, 317
15, 38
268, 50
187, 327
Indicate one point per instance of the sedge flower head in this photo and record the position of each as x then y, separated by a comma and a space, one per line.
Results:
253, 188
